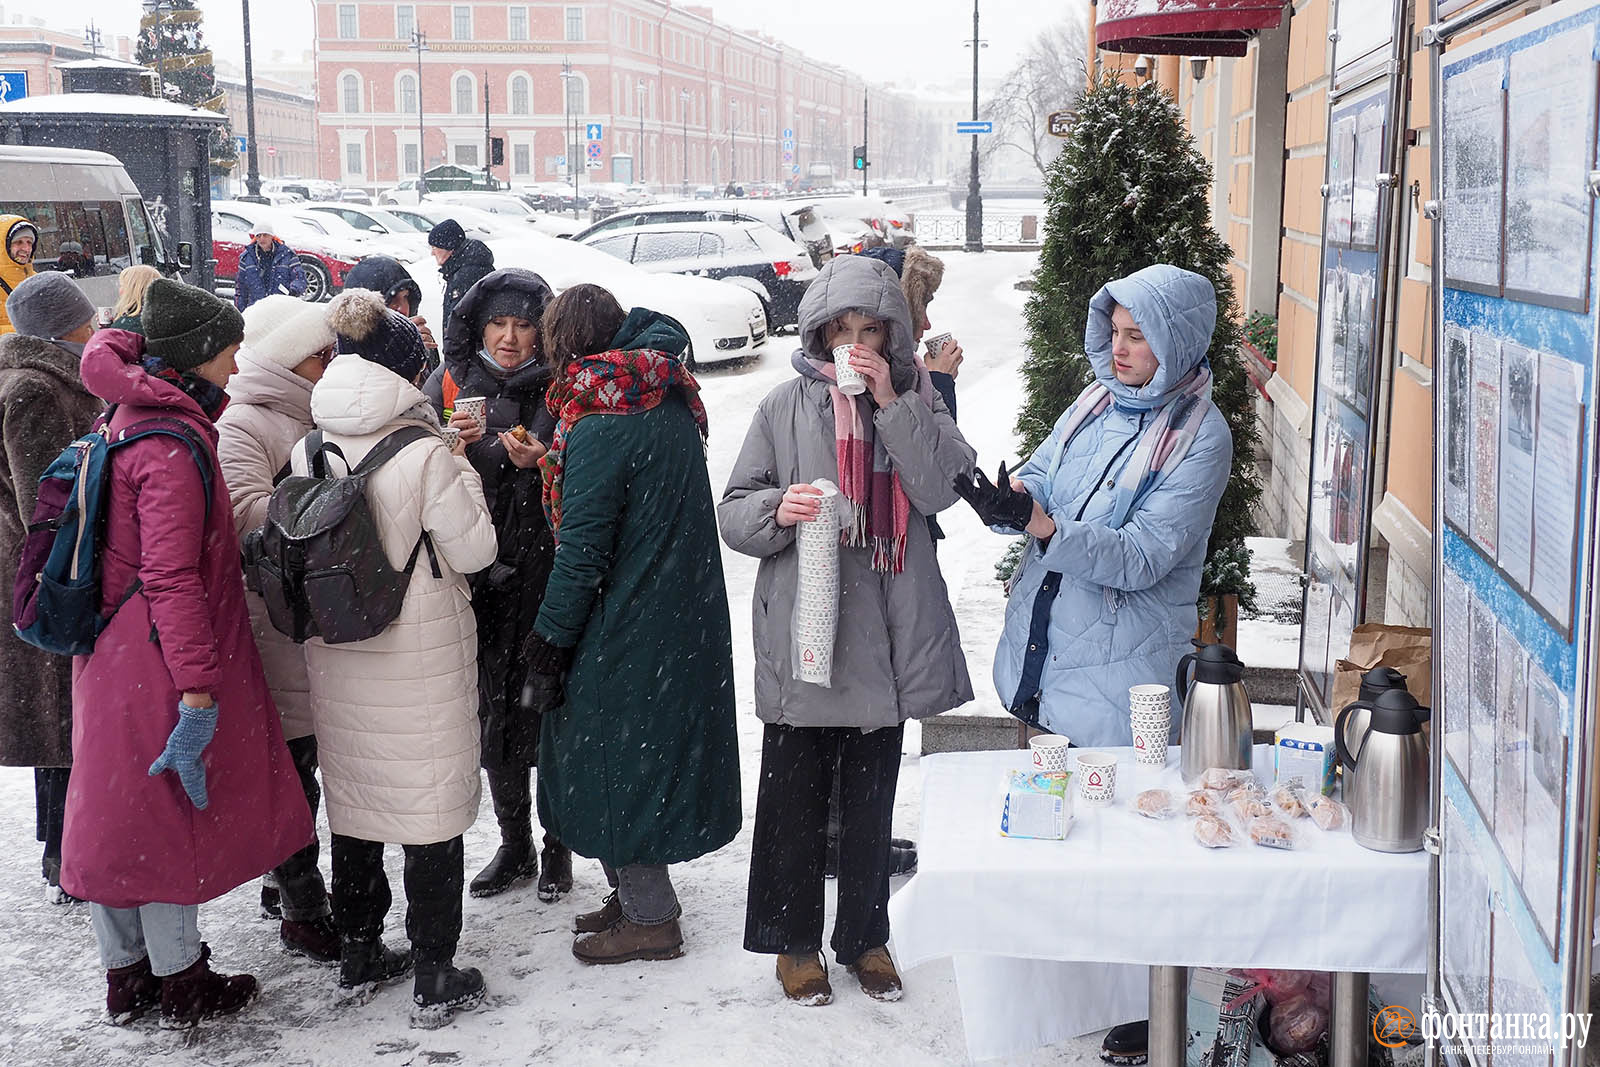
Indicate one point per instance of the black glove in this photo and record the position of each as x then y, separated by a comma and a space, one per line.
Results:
996, 503
544, 690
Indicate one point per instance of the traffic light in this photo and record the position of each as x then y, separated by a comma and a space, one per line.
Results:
861, 157
497, 151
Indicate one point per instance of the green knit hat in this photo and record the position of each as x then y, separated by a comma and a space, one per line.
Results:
185, 326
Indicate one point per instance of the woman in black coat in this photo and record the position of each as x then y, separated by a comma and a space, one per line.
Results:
492, 350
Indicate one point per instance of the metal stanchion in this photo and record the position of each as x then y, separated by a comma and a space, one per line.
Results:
1348, 1027
1169, 1019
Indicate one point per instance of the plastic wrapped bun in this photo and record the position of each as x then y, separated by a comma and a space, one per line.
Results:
1290, 800
1272, 831
1224, 779
1250, 804
1155, 804
1203, 802
1212, 831
1329, 814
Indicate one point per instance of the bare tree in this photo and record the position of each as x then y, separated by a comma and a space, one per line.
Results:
1049, 77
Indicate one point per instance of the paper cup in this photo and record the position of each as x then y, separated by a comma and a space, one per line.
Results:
1097, 778
103, 316
477, 407
452, 435
1150, 697
1150, 740
1049, 752
849, 380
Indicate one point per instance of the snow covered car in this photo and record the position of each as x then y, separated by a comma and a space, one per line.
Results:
793, 219
230, 236
401, 247
376, 221
507, 205
724, 322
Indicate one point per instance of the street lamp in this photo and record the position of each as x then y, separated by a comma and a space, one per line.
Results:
974, 241
566, 130
733, 143
683, 110
419, 43
638, 168
252, 178
761, 141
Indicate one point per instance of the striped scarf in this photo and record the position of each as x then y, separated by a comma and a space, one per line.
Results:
609, 383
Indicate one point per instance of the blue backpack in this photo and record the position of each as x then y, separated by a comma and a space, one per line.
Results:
56, 599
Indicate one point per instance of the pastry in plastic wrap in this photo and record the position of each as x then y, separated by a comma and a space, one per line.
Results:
1289, 799
1203, 802
1329, 814
1272, 831
1213, 832
1224, 779
1250, 805
1154, 804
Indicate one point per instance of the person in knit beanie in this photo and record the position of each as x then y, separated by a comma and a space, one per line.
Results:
364, 327
463, 261
52, 307
185, 326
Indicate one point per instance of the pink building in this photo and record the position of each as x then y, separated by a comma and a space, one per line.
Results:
678, 96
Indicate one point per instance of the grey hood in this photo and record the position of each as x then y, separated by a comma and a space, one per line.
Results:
870, 286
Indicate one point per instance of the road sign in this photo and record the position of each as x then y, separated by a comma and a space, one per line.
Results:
592, 164
795, 169
594, 152
561, 161
596, 131
1061, 123
788, 134
963, 128
272, 150
13, 85
241, 144
788, 145
788, 157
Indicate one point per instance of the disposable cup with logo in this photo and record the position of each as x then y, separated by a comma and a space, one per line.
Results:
1150, 741
1150, 698
1097, 778
1049, 752
452, 436
477, 407
849, 380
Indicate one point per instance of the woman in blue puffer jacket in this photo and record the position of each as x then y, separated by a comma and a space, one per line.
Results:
1118, 503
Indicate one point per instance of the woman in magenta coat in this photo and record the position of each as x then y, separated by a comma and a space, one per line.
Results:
185, 787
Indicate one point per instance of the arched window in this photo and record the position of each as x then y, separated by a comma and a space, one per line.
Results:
408, 94
519, 95
464, 95
350, 93
577, 94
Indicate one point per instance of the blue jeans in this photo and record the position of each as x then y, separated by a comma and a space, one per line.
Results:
168, 933
645, 892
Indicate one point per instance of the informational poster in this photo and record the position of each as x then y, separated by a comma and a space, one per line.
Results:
1514, 520
1369, 164
1341, 179
1363, 29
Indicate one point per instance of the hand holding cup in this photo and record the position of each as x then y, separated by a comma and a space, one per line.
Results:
463, 421
799, 504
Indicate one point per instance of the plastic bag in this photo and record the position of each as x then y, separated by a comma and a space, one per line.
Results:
1213, 831
1225, 779
1299, 1007
1272, 831
1290, 799
814, 622
1203, 802
1329, 814
1155, 804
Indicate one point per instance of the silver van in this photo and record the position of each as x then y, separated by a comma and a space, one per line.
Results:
92, 221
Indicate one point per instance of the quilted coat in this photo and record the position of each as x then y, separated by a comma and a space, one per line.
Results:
1125, 611
396, 716
270, 410
131, 838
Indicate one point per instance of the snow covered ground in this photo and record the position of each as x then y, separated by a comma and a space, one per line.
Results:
718, 1004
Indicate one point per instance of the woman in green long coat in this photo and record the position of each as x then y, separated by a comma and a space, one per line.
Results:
631, 656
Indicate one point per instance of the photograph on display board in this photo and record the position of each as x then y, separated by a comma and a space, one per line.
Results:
1519, 369
1516, 992
1464, 917
1485, 472
1544, 803
1365, 195
1358, 360
1551, 114
1457, 379
1557, 464
1345, 514
1314, 661
1335, 327
1510, 747
1473, 181
1457, 641
1341, 179
1481, 710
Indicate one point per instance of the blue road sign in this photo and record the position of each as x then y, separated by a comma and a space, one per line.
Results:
561, 161
788, 134
13, 85
241, 144
974, 127
596, 130
795, 169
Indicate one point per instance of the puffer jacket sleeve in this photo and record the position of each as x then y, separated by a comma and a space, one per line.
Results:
594, 491
247, 470
247, 279
433, 389
169, 500
1174, 518
36, 430
1035, 473
747, 513
453, 511
288, 272
927, 450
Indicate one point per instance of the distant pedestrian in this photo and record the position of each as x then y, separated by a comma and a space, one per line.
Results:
463, 261
131, 284
267, 266
44, 407
18, 237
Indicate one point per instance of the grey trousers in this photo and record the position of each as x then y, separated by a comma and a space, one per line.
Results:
168, 933
645, 892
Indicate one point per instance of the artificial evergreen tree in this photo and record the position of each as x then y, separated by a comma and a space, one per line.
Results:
1129, 189
172, 42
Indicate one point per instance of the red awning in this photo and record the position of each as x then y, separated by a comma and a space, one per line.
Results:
1184, 27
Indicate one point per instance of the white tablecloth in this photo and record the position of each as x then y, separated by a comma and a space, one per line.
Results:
1050, 939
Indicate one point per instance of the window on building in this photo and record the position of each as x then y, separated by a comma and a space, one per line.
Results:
405, 21
519, 95
347, 21
408, 159
574, 23
464, 95
352, 159
518, 25
521, 159
466, 155
408, 94
461, 23
577, 98
350, 93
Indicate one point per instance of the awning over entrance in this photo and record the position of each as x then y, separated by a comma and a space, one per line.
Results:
1184, 27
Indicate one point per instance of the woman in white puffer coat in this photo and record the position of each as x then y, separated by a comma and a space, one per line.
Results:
397, 715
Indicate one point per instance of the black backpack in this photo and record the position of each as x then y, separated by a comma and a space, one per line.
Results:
318, 562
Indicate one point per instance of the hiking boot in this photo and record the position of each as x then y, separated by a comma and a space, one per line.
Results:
875, 971
316, 940
131, 991
514, 861
555, 870
271, 904
625, 941
365, 964
440, 991
198, 993
1127, 1045
805, 979
594, 922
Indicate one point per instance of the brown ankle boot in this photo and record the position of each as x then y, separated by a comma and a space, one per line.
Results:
593, 922
625, 940
131, 991
198, 993
875, 971
805, 979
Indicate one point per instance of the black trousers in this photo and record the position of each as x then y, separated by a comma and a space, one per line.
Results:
50, 812
304, 893
784, 910
434, 880
511, 790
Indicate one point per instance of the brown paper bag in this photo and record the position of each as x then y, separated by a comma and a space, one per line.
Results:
1408, 649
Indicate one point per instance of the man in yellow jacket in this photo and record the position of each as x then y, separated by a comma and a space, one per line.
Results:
16, 261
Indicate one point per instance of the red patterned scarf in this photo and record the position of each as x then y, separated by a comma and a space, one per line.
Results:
609, 383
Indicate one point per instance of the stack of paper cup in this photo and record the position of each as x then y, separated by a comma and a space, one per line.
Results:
846, 377
816, 614
1151, 717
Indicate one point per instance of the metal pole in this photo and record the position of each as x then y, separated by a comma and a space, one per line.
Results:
419, 41
488, 179
733, 143
683, 111
1347, 1028
974, 193
864, 142
252, 179
1169, 1023
638, 164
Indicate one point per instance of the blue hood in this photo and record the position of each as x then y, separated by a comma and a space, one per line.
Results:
1177, 311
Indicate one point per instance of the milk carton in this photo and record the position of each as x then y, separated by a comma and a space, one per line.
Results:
1036, 804
1306, 752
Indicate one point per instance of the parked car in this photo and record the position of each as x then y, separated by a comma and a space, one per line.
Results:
507, 206
750, 255
478, 224
375, 221
404, 193
333, 226
230, 236
724, 322
856, 220
794, 219
354, 196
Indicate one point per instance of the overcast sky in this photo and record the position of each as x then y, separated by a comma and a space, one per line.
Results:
903, 41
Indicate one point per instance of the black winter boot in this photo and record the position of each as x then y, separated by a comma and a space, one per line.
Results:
365, 964
131, 991
1127, 1045
514, 861
555, 870
440, 991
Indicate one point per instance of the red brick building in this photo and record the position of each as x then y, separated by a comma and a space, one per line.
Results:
679, 96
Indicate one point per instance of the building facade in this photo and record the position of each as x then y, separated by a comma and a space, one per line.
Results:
286, 126
37, 52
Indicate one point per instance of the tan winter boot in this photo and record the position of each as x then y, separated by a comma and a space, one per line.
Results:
625, 940
805, 979
875, 971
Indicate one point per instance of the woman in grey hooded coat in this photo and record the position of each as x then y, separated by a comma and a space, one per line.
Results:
894, 453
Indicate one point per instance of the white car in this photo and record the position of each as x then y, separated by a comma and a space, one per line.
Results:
479, 224
297, 233
376, 221
404, 193
334, 226
723, 321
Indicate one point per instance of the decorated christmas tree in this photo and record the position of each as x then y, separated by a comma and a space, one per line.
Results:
1129, 189
172, 43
